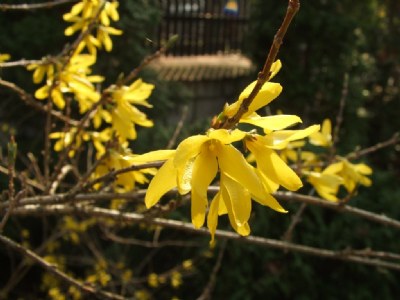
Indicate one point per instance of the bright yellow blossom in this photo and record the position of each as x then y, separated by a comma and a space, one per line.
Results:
199, 159
124, 114
326, 183
82, 15
323, 138
4, 57
352, 174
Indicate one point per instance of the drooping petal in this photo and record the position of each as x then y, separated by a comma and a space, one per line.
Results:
242, 229
240, 200
186, 151
270, 201
212, 217
232, 162
273, 167
205, 168
162, 182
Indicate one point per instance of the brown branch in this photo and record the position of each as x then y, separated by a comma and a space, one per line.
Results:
377, 218
155, 244
339, 116
390, 142
38, 202
113, 174
188, 227
264, 75
287, 236
28, 181
179, 126
206, 294
29, 100
55, 271
19, 63
30, 6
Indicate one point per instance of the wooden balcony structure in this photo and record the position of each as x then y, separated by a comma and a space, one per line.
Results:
210, 40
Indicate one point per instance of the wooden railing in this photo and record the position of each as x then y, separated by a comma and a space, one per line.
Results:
203, 26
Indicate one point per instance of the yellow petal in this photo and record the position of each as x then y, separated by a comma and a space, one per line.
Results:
205, 168
226, 136
153, 156
42, 93
271, 123
270, 201
268, 92
242, 229
162, 182
58, 98
363, 169
280, 139
273, 167
232, 162
240, 200
212, 217
276, 66
186, 152
188, 149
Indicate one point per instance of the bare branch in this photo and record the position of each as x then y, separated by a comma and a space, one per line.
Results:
19, 63
390, 142
264, 75
213, 277
29, 100
32, 6
54, 270
188, 227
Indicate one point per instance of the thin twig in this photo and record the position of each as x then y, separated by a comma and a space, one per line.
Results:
25, 265
55, 271
179, 126
19, 63
339, 116
113, 174
32, 6
206, 294
30, 101
287, 236
188, 227
38, 202
264, 75
31, 182
12, 204
390, 142
132, 241
148, 59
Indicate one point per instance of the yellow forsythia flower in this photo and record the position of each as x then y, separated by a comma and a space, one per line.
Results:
124, 114
326, 183
322, 138
4, 57
352, 174
199, 159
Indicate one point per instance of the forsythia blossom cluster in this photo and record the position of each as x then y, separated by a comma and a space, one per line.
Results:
340, 172
201, 159
69, 78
